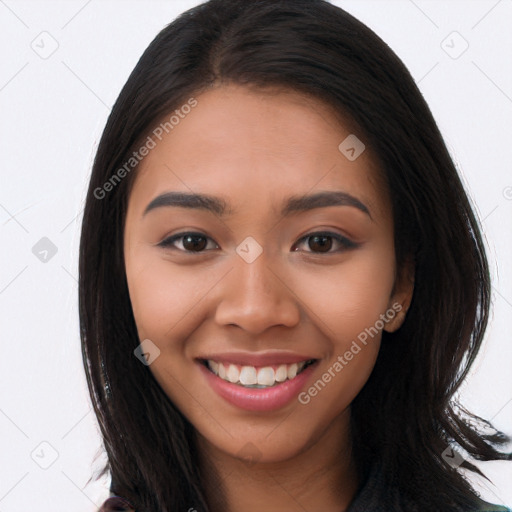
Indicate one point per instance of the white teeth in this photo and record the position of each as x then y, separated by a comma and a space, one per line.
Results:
214, 366
292, 370
266, 376
281, 373
248, 375
252, 377
233, 375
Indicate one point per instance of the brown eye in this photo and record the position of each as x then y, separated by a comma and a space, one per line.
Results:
322, 242
194, 242
191, 242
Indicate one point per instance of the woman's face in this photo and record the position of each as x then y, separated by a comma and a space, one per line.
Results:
255, 290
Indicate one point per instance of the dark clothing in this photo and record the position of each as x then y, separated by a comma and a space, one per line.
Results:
375, 497
372, 497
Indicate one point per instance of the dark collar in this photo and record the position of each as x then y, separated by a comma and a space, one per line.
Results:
369, 497
375, 495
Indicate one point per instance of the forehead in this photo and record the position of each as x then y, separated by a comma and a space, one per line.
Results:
253, 145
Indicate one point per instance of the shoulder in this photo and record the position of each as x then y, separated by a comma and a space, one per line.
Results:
489, 507
116, 504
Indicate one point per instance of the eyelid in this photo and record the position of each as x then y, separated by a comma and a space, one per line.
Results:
167, 242
344, 241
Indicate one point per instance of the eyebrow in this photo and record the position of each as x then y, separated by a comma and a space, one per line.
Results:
219, 206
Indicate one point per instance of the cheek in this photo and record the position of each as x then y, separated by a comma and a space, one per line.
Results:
161, 293
347, 303
348, 297
343, 299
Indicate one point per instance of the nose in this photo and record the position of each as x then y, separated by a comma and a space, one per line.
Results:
256, 296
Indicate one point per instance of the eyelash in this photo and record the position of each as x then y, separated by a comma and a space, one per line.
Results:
345, 242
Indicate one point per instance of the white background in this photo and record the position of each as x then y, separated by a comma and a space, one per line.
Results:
52, 113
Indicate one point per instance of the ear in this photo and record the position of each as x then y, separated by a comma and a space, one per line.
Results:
401, 297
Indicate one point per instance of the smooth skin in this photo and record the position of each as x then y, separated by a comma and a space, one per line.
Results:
254, 149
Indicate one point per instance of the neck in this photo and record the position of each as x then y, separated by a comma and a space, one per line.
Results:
322, 476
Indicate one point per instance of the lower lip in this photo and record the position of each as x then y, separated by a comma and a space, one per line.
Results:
254, 399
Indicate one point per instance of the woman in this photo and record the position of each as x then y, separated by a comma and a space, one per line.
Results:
282, 281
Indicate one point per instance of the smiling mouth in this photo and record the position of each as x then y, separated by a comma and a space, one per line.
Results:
256, 377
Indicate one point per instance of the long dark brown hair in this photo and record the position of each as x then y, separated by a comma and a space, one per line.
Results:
407, 413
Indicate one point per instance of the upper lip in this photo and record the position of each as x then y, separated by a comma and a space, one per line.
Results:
257, 358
